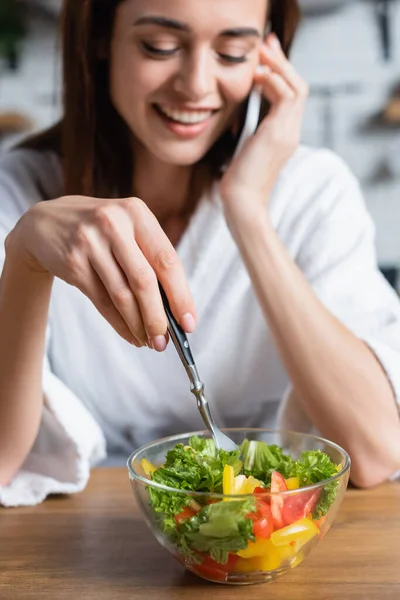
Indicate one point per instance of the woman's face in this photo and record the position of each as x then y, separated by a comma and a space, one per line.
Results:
180, 69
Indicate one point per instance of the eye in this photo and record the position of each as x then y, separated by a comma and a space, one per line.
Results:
154, 51
232, 59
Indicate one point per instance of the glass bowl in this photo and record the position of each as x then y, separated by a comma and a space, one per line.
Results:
298, 522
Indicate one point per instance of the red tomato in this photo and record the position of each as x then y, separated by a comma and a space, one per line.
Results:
263, 492
264, 526
278, 484
186, 513
209, 572
263, 507
211, 569
299, 506
262, 510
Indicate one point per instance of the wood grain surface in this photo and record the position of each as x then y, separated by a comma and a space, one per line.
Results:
95, 546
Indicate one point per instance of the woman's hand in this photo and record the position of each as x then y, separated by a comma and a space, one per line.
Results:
253, 172
115, 252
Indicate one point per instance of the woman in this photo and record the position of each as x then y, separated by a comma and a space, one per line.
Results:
295, 327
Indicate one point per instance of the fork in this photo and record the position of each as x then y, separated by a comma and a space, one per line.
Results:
182, 346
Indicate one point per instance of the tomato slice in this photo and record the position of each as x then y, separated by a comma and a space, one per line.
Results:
278, 484
263, 493
264, 526
299, 506
263, 507
211, 569
209, 572
186, 513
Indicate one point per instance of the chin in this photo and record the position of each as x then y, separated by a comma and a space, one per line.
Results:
180, 156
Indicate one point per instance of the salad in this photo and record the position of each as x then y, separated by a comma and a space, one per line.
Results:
261, 532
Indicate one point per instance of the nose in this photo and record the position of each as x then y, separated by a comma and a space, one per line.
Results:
196, 78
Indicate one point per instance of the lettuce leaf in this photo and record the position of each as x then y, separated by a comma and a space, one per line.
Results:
196, 467
260, 459
219, 529
314, 466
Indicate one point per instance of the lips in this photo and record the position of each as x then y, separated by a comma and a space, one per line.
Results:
185, 117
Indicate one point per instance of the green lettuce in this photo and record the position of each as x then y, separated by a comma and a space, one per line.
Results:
314, 466
218, 529
261, 459
195, 467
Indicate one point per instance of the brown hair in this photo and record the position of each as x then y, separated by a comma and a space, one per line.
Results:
92, 139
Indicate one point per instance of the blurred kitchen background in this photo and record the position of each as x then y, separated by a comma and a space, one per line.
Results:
348, 50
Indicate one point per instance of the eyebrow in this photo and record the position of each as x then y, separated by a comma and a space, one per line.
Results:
178, 26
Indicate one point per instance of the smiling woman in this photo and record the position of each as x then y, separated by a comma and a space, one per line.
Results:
163, 170
91, 165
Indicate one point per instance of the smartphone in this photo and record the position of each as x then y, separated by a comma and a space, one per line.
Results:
251, 119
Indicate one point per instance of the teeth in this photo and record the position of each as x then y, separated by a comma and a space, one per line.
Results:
188, 118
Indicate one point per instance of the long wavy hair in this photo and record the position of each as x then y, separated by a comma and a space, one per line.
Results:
93, 141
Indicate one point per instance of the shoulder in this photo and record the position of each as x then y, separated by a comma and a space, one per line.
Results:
27, 177
33, 169
315, 167
313, 184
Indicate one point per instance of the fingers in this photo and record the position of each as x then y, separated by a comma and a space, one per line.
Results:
163, 258
280, 73
143, 285
276, 89
119, 290
125, 248
92, 286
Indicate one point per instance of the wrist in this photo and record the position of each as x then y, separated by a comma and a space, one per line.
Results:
246, 219
19, 263
16, 251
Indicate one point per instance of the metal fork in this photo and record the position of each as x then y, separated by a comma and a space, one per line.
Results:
182, 346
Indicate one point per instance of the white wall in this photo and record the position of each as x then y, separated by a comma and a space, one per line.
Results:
342, 48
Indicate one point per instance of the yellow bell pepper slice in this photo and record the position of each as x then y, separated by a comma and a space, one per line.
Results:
300, 532
258, 548
245, 565
268, 561
286, 552
228, 480
293, 483
250, 485
147, 466
239, 484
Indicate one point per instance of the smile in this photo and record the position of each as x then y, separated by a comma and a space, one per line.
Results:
185, 117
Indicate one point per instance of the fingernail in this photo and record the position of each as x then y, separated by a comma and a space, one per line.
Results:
159, 343
188, 323
274, 41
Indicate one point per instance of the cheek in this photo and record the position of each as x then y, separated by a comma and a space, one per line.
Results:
132, 81
237, 85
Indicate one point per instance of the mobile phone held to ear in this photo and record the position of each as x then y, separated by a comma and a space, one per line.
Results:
253, 110
251, 119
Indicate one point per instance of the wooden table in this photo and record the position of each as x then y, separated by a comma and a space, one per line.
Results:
95, 546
